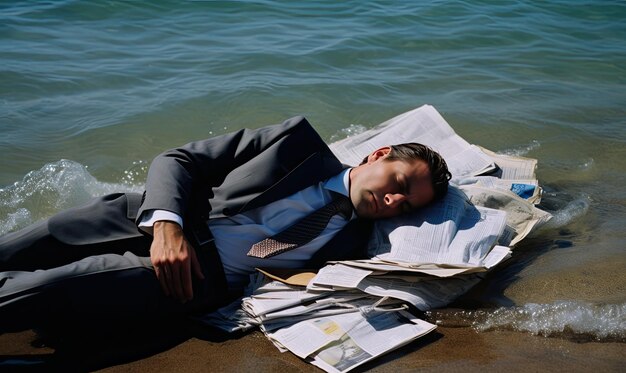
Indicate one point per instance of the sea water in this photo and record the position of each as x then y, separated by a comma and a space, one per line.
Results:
91, 91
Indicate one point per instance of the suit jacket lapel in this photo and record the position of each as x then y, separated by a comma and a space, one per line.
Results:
317, 167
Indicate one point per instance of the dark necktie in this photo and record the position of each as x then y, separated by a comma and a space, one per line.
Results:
304, 231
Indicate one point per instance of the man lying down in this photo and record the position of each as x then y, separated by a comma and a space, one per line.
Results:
212, 211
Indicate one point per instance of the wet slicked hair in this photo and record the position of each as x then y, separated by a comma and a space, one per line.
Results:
439, 174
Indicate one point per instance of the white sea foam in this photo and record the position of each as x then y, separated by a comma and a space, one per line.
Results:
570, 212
587, 165
521, 150
570, 319
12, 221
563, 317
56, 186
351, 130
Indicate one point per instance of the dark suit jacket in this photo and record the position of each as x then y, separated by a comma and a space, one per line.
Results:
219, 177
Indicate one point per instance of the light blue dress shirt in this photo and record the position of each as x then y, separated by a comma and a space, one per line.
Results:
236, 234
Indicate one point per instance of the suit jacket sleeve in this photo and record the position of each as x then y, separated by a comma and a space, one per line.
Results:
180, 179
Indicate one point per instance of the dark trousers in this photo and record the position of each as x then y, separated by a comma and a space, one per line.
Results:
44, 281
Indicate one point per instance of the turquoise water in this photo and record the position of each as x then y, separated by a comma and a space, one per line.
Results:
90, 91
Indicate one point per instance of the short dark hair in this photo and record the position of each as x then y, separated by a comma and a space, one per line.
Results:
439, 174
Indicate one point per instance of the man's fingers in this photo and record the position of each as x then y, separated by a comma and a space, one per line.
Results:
195, 264
181, 284
161, 276
174, 260
176, 283
186, 280
169, 279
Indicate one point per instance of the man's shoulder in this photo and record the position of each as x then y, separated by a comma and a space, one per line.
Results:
297, 123
296, 131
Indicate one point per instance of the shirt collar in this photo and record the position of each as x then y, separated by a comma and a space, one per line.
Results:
340, 183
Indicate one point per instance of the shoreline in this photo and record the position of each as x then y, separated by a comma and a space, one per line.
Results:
447, 349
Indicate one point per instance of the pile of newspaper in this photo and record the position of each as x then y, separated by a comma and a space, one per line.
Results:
350, 312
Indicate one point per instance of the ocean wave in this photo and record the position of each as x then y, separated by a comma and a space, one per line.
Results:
56, 186
577, 320
351, 130
521, 150
15, 220
569, 213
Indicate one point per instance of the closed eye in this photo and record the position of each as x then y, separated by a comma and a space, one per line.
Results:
402, 183
404, 187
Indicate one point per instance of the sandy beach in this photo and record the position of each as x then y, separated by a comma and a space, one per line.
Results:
448, 349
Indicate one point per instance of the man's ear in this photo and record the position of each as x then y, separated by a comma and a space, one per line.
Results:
379, 153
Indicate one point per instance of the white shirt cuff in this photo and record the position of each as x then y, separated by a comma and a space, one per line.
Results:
148, 218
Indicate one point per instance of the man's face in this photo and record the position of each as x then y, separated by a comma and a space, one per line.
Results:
382, 189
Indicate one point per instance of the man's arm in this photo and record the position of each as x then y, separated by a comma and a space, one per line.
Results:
174, 260
178, 177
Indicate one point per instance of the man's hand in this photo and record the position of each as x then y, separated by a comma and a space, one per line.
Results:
174, 260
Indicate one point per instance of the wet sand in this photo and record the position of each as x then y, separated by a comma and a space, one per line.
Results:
448, 349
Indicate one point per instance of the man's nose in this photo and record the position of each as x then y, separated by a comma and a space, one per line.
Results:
394, 199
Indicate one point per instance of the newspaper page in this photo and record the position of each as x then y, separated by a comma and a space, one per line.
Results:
525, 188
512, 167
423, 271
365, 304
261, 304
339, 276
476, 236
476, 233
423, 295
521, 216
450, 232
423, 125
337, 299
342, 342
420, 235
377, 336
497, 255
420, 293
